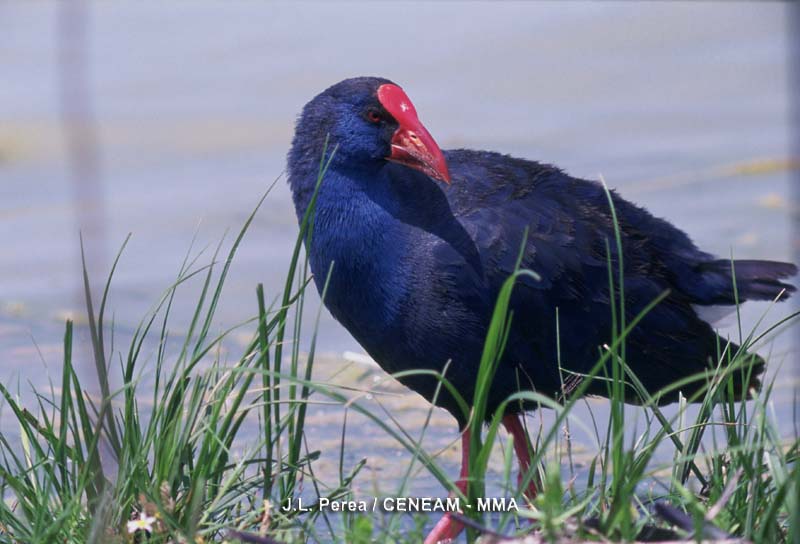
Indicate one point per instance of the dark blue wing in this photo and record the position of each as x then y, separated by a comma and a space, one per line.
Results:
570, 238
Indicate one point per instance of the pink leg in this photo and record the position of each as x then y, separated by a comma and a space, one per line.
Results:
447, 529
523, 449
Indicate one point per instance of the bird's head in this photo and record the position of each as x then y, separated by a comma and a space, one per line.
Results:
371, 120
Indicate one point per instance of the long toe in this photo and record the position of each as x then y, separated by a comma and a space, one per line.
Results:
446, 530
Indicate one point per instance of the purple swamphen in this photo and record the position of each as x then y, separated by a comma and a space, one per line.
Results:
421, 240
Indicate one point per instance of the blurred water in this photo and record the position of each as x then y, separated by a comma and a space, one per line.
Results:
194, 109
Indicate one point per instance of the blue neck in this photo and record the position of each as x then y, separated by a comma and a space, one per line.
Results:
356, 232
378, 224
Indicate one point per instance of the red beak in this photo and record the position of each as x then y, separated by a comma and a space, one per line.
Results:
412, 144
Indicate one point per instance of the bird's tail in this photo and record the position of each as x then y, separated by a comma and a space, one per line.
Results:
754, 280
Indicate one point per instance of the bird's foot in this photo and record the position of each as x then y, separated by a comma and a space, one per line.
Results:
446, 530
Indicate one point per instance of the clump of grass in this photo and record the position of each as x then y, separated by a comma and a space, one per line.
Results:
86, 465
174, 448
170, 450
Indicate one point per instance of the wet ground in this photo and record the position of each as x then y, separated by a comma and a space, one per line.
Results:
682, 107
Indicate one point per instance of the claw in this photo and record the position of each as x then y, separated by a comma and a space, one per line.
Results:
446, 530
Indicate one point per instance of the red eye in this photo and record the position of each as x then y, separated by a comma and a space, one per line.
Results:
374, 116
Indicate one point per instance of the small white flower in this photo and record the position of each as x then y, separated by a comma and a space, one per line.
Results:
143, 523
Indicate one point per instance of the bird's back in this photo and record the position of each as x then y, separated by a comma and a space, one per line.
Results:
564, 230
